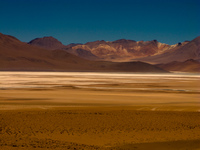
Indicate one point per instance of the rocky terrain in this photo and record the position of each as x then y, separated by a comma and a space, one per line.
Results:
106, 129
123, 50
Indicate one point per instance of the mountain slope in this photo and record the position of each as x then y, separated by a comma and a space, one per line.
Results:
186, 66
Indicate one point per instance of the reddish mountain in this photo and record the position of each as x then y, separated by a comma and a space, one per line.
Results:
186, 66
47, 43
16, 55
52, 44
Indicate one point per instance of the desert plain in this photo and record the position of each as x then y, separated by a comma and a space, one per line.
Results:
87, 110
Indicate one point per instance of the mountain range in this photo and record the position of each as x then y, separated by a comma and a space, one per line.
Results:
49, 54
20, 56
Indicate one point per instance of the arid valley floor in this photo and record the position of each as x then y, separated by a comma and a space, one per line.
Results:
84, 110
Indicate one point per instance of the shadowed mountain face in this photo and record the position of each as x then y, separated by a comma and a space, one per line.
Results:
47, 43
16, 55
186, 66
82, 53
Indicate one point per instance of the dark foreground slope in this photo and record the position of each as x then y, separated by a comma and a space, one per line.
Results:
16, 55
186, 66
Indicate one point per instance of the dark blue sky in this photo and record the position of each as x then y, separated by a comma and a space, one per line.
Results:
80, 21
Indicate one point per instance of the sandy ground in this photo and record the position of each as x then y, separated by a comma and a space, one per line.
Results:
99, 111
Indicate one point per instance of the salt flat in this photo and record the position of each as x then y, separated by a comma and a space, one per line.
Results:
69, 88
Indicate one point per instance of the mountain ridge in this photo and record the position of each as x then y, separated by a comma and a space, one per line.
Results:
118, 50
123, 50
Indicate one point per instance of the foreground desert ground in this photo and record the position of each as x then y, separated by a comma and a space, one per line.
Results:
57, 110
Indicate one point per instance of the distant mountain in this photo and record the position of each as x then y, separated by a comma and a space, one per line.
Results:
47, 43
20, 56
123, 50
190, 50
186, 66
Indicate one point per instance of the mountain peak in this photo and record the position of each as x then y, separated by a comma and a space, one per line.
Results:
49, 37
155, 41
47, 42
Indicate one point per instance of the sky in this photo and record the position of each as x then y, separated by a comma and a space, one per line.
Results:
81, 21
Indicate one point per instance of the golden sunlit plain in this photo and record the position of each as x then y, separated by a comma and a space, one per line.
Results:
58, 110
